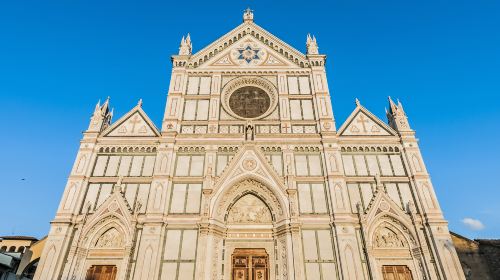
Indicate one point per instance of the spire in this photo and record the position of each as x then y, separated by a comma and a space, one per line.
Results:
357, 102
101, 118
311, 45
185, 47
397, 117
248, 15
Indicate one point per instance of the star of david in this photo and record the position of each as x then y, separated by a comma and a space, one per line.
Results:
248, 54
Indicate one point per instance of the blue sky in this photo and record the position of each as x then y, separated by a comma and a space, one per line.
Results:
440, 58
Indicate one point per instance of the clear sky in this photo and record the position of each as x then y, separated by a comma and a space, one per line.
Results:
440, 58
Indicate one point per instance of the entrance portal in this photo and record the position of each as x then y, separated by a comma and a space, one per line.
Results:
396, 272
250, 264
101, 272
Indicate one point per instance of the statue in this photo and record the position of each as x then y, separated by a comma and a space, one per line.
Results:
249, 133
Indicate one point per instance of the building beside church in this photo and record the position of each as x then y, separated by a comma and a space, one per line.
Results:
249, 177
480, 258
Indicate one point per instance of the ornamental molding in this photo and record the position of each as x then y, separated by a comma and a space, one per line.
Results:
245, 31
243, 188
258, 82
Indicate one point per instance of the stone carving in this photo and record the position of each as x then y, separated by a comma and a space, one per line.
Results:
386, 238
249, 209
249, 102
215, 271
284, 265
249, 164
249, 97
251, 187
311, 44
110, 239
249, 133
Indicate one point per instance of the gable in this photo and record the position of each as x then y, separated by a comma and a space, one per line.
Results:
248, 52
282, 53
133, 124
363, 123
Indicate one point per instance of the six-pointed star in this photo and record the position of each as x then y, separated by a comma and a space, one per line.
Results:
248, 54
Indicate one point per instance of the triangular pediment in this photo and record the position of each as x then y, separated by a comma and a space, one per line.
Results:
114, 209
382, 203
230, 50
133, 124
362, 122
250, 162
248, 53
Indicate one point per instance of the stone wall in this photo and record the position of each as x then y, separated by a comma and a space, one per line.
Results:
480, 258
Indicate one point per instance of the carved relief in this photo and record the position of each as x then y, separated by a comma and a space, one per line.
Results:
110, 239
249, 187
236, 94
215, 270
386, 238
249, 209
284, 265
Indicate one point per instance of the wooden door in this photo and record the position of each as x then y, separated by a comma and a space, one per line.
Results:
396, 272
101, 272
250, 264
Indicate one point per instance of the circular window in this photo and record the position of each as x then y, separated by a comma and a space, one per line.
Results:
249, 102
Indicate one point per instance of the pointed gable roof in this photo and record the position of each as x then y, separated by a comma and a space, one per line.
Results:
249, 160
248, 30
135, 123
362, 122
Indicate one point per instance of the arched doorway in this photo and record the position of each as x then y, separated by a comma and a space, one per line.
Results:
252, 246
250, 238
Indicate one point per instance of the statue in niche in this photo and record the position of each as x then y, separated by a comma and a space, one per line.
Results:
386, 238
249, 133
110, 239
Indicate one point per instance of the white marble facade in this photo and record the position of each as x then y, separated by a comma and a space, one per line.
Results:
275, 173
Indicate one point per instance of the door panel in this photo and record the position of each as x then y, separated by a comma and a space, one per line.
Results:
101, 272
250, 264
396, 272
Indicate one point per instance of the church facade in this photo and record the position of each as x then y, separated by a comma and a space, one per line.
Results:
249, 178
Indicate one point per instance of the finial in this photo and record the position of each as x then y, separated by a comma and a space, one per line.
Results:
248, 15
311, 44
139, 103
185, 47
357, 102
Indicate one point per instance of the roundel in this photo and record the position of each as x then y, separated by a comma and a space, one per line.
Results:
249, 98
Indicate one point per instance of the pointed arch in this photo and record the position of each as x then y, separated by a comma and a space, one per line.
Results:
228, 195
114, 212
81, 164
48, 263
70, 197
451, 264
110, 238
395, 224
249, 207
416, 163
350, 264
339, 197
146, 264
428, 197
99, 235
